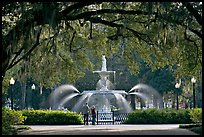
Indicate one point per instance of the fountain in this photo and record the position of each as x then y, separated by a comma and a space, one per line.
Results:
104, 98
148, 94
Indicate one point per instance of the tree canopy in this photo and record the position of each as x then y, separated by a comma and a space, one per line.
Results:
54, 41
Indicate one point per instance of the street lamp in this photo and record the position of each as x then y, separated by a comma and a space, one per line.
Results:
177, 104
12, 81
33, 88
193, 80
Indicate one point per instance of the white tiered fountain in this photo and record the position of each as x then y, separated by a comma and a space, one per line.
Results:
104, 98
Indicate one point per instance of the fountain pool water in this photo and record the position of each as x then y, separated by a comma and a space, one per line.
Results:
104, 98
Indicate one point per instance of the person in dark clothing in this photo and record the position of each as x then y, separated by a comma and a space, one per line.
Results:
86, 114
93, 113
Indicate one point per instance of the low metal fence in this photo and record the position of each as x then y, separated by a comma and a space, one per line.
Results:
104, 118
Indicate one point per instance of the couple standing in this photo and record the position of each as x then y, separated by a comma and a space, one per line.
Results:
86, 114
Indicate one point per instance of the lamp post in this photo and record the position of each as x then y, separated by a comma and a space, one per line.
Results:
193, 80
33, 88
12, 81
177, 104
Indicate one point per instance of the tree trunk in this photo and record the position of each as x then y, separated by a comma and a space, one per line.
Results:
23, 89
133, 101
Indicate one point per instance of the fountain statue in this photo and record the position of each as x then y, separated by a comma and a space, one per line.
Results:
103, 64
104, 97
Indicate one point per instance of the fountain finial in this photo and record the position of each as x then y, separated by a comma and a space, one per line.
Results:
103, 63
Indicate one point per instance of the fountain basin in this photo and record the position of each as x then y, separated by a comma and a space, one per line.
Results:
122, 92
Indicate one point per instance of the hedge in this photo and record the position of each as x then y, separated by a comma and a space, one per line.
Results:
163, 116
51, 117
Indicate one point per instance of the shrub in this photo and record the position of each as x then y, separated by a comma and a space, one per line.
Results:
9, 119
162, 116
196, 115
51, 117
177, 116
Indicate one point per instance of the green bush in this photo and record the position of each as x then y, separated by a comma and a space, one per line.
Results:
51, 117
177, 116
162, 116
196, 115
9, 119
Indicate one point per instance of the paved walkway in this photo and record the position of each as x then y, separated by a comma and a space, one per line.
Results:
123, 129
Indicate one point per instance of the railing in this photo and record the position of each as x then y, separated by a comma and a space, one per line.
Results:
108, 118
104, 118
120, 117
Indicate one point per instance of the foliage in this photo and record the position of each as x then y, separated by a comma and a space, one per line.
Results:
58, 42
196, 115
155, 116
54, 117
23, 128
58, 38
9, 119
155, 78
